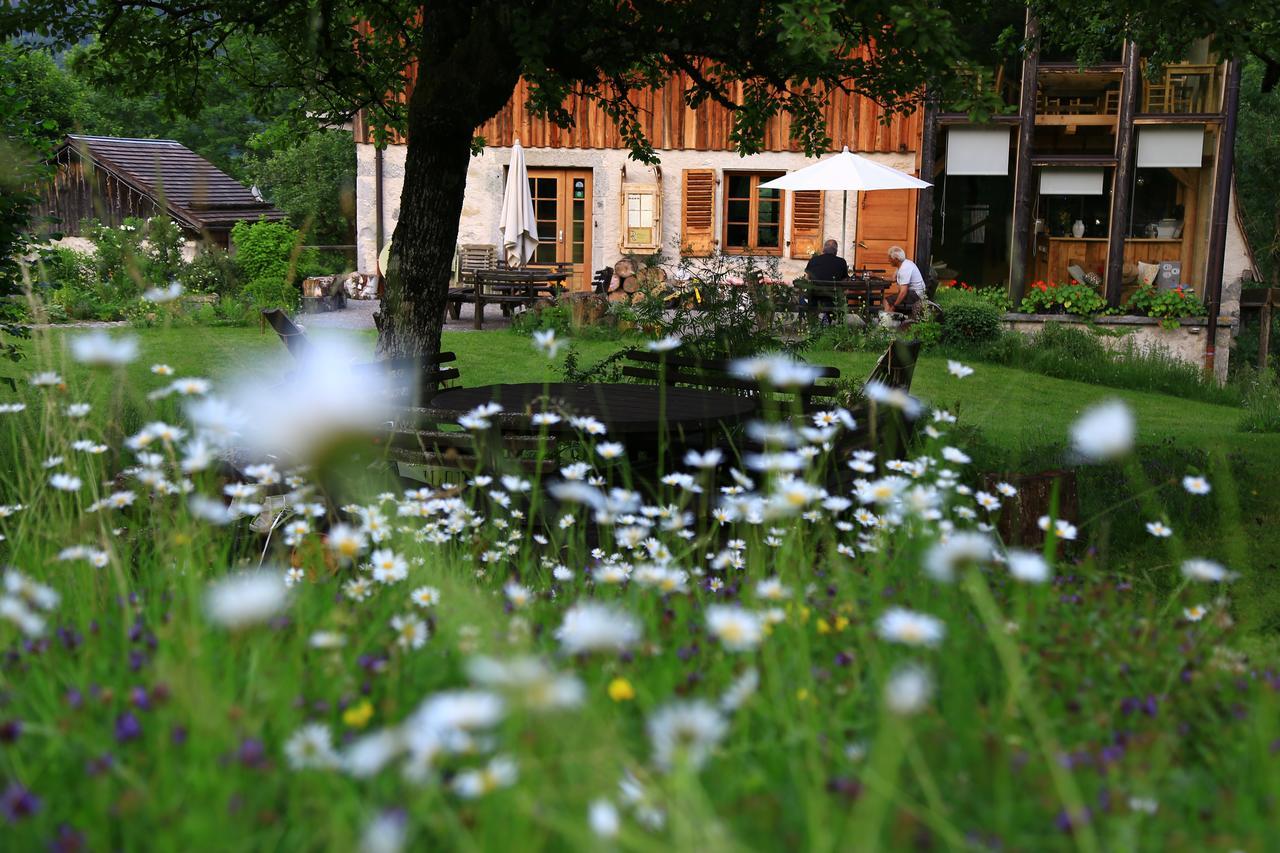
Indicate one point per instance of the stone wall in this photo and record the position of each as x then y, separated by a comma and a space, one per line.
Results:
1185, 343
483, 200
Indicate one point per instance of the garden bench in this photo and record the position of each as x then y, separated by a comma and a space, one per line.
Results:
444, 450
716, 375
862, 296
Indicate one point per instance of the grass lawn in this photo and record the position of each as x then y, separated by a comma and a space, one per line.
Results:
1021, 418
1013, 409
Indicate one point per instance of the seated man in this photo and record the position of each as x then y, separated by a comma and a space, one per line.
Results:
908, 292
827, 266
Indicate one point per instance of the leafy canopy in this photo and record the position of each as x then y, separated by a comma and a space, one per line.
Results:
762, 58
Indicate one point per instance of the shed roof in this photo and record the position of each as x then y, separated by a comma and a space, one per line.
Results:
189, 187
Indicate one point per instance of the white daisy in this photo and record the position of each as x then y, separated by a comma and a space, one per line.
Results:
1104, 431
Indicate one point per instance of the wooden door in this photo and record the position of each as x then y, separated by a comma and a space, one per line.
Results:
562, 209
885, 218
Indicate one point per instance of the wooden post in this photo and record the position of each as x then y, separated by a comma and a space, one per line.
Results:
1122, 186
1224, 163
924, 199
1024, 177
1264, 336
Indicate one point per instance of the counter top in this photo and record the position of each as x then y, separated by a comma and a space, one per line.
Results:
1127, 239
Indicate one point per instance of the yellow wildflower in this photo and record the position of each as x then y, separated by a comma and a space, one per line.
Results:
620, 690
358, 715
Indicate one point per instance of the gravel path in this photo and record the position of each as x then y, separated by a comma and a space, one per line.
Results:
359, 315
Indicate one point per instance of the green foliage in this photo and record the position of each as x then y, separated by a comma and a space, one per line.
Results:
1169, 305
929, 332
998, 297
212, 270
48, 100
843, 337
1257, 165
273, 260
311, 179
1261, 390
1067, 352
1074, 298
720, 306
968, 319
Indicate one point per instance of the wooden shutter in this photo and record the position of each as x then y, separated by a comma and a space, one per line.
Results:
806, 223
698, 212
885, 218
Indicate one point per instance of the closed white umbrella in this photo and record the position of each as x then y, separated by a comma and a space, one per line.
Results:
517, 223
846, 171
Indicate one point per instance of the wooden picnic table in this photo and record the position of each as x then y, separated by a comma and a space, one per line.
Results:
861, 294
627, 410
507, 287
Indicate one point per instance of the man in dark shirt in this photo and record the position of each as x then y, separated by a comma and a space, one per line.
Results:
828, 266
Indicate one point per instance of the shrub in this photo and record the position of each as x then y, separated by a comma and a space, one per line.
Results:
1074, 298
270, 254
1168, 305
139, 254
724, 306
212, 270
968, 319
1261, 393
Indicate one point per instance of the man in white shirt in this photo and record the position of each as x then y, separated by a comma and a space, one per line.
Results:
911, 290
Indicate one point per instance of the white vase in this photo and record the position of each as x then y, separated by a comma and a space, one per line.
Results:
1077, 228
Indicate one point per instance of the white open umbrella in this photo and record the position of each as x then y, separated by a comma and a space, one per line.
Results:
846, 171
517, 223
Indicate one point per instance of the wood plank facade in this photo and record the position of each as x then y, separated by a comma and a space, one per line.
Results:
671, 125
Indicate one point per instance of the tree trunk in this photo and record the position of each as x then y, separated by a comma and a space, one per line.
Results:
467, 71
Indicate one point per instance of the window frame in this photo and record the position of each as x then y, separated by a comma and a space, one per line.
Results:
753, 223
654, 194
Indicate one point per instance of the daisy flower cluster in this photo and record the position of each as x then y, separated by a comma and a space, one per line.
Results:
209, 621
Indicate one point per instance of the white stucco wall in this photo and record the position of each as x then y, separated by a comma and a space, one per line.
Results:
483, 202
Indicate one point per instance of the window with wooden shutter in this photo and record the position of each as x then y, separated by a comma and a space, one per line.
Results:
806, 223
697, 212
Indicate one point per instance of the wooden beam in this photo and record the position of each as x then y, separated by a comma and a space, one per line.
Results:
1190, 212
1024, 175
1264, 337
924, 199
1122, 187
1077, 120
1224, 163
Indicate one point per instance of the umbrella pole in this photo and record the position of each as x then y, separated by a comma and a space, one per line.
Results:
844, 219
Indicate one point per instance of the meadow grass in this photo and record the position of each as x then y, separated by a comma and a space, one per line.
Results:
743, 690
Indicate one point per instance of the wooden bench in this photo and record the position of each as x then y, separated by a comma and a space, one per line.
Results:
717, 375
861, 296
444, 450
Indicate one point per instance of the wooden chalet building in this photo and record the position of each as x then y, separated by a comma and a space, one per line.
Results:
110, 179
1101, 168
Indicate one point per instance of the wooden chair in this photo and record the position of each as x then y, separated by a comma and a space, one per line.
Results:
897, 365
716, 375
437, 450
290, 335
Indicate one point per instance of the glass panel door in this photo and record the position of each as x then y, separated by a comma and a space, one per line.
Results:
562, 208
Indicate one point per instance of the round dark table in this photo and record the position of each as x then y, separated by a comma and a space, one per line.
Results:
625, 409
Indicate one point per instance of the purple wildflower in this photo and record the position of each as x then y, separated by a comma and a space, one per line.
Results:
127, 727
10, 730
17, 803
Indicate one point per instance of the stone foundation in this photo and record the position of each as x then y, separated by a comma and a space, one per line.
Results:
1185, 343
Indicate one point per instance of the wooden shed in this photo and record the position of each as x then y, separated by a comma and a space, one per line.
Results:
109, 179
